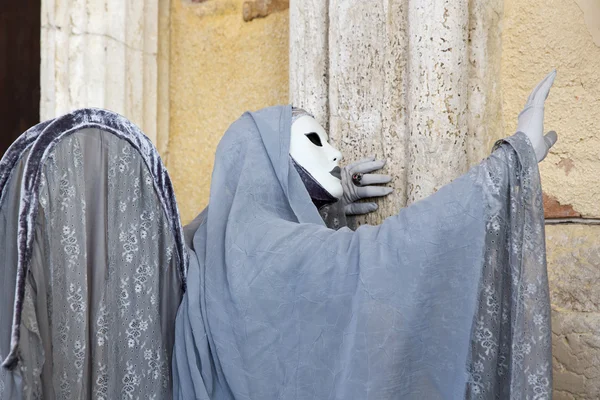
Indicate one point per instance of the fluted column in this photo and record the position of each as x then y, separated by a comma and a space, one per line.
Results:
309, 57
485, 123
101, 53
411, 81
437, 94
367, 84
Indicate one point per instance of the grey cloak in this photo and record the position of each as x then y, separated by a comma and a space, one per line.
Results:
11, 173
93, 263
447, 299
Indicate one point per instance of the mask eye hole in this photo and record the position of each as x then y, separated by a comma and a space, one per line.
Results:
314, 138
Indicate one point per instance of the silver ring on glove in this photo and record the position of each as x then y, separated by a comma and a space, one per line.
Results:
356, 178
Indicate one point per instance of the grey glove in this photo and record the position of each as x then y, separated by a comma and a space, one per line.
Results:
531, 119
356, 183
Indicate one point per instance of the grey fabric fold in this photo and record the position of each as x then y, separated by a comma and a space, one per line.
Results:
447, 299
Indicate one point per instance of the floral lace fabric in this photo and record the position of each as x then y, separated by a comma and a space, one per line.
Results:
103, 284
511, 340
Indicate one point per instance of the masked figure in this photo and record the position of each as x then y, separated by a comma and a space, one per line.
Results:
446, 299
93, 262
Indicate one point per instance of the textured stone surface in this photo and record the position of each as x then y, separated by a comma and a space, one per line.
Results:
100, 53
309, 58
576, 353
485, 124
220, 67
367, 88
437, 94
539, 35
573, 253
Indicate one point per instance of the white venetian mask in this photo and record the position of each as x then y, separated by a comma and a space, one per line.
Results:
310, 149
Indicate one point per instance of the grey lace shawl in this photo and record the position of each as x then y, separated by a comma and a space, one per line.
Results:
94, 262
446, 300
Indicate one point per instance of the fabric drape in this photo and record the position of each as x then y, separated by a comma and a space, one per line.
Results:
447, 299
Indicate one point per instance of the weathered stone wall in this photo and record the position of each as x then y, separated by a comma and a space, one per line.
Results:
574, 274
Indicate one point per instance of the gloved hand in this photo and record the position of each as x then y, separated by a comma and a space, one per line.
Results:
356, 181
531, 119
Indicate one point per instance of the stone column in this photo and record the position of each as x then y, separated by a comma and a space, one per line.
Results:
309, 58
437, 94
368, 56
410, 81
101, 53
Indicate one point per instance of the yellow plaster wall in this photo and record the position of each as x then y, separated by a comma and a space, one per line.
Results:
539, 35
220, 67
